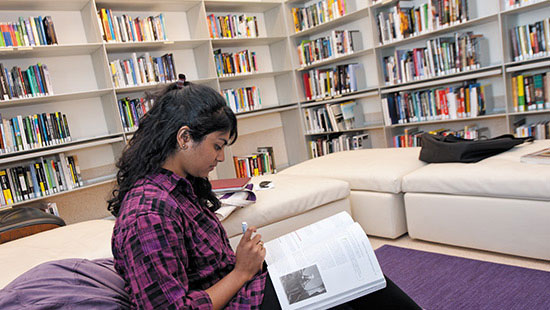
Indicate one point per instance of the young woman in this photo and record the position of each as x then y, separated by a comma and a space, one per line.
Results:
167, 243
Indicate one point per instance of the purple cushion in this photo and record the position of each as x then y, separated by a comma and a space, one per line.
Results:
73, 283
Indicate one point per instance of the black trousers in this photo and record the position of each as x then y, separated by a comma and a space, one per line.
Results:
389, 298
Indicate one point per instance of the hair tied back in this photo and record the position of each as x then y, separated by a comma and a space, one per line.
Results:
181, 81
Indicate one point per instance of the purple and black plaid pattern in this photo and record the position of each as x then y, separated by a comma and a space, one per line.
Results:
169, 248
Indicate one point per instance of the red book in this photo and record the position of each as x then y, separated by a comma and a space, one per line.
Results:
229, 185
307, 89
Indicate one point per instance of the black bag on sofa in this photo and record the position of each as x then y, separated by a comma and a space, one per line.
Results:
446, 149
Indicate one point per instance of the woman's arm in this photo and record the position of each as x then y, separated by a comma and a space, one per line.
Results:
250, 256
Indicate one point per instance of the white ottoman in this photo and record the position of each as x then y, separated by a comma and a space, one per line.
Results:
498, 204
90, 239
375, 177
294, 202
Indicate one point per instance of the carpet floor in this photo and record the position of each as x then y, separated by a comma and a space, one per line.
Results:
437, 281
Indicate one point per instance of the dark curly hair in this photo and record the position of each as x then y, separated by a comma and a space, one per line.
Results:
183, 103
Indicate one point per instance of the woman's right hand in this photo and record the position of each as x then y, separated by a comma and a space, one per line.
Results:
250, 254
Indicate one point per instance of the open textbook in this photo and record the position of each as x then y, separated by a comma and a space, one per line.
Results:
323, 265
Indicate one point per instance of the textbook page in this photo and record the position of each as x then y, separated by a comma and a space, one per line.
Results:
310, 235
334, 270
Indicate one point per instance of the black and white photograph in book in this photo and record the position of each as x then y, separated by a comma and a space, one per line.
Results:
303, 284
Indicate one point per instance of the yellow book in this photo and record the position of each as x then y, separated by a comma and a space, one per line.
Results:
296, 22
515, 93
5, 187
467, 103
521, 94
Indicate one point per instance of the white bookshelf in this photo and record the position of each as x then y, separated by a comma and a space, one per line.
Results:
84, 90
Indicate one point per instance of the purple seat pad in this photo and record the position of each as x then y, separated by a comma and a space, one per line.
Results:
67, 284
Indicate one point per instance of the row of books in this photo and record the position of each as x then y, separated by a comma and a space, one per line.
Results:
232, 26
344, 142
338, 43
17, 83
132, 110
243, 99
532, 40
124, 28
143, 70
411, 137
40, 178
259, 163
405, 19
531, 92
30, 31
512, 4
21, 133
468, 100
342, 79
228, 64
330, 117
441, 56
539, 130
318, 13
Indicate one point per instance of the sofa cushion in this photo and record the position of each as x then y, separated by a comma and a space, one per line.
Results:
502, 176
377, 170
291, 195
90, 239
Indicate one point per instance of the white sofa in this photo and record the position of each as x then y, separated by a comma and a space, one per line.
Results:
498, 204
374, 176
294, 202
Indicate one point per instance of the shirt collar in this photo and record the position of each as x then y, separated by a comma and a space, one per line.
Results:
171, 181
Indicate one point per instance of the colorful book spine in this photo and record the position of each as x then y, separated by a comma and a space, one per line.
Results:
143, 70
229, 64
243, 99
33, 131
232, 26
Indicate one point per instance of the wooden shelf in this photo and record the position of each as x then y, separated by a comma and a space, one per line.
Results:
60, 148
374, 127
153, 45
464, 119
258, 112
256, 75
421, 36
144, 87
529, 112
49, 50
147, 5
373, 91
333, 23
528, 7
55, 98
240, 6
332, 60
87, 184
532, 63
43, 5
444, 79
216, 43
383, 4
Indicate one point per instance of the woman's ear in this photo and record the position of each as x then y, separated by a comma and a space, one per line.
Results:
183, 137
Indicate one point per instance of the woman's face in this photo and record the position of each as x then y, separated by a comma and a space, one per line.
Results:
202, 157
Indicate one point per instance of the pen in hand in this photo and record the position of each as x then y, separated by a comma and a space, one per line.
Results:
244, 226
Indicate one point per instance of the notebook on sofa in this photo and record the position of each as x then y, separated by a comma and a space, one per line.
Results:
323, 265
229, 185
538, 157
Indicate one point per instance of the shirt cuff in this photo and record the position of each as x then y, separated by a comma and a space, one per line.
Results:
201, 299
